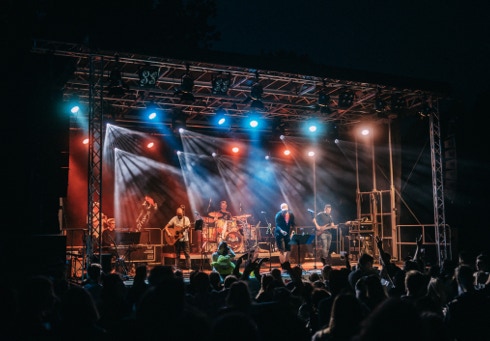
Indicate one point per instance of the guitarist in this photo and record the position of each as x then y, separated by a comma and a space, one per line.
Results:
177, 233
324, 224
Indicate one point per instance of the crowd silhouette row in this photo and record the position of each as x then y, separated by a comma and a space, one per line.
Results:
414, 301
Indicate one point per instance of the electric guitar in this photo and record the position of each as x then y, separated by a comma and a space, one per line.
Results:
174, 234
322, 225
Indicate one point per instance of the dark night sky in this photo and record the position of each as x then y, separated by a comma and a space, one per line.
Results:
435, 40
444, 41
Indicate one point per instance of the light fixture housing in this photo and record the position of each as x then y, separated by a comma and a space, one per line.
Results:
179, 119
346, 98
397, 102
221, 83
148, 76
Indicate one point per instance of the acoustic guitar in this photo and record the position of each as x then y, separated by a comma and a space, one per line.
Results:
174, 234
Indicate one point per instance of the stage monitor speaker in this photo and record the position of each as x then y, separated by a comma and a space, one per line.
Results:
337, 260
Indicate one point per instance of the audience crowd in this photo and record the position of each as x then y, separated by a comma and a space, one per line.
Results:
416, 301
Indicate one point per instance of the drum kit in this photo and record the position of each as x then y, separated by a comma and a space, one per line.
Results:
236, 232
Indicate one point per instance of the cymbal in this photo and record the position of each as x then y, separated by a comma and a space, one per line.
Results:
215, 214
242, 216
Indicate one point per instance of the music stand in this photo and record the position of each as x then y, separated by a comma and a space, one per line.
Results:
301, 239
128, 238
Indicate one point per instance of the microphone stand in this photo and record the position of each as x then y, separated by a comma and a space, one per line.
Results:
119, 261
269, 232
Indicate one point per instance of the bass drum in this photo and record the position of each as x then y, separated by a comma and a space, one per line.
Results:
235, 241
224, 227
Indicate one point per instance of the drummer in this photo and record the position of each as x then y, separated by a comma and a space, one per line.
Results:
221, 218
225, 214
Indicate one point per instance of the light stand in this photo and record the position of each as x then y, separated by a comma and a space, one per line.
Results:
314, 209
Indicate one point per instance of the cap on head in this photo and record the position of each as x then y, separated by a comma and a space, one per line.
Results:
328, 206
284, 207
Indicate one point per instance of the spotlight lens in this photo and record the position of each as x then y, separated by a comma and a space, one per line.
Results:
312, 129
181, 130
75, 109
254, 123
221, 121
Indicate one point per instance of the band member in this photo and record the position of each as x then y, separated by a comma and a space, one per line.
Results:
148, 206
109, 234
222, 219
224, 213
177, 234
324, 225
285, 224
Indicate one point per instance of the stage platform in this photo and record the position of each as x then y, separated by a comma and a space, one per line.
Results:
199, 261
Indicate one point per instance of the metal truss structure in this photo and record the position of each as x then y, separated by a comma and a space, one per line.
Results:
132, 82
117, 86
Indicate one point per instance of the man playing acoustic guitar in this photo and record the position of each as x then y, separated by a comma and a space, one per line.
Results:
323, 225
177, 234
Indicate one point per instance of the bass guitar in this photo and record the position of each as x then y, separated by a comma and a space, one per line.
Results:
174, 234
322, 221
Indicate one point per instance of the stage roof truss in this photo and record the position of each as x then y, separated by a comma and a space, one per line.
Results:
288, 96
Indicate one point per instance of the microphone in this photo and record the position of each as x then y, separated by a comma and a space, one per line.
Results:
263, 212
196, 213
311, 211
